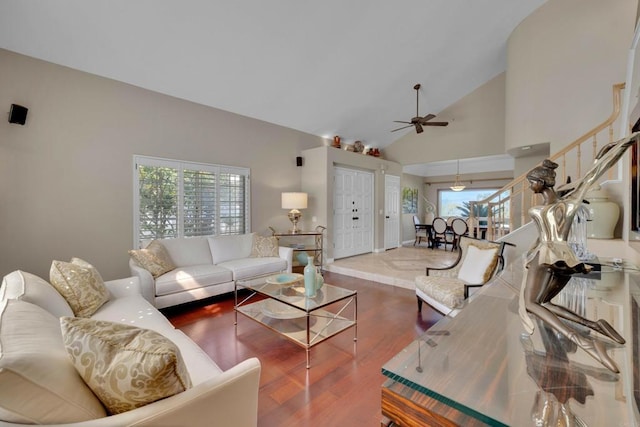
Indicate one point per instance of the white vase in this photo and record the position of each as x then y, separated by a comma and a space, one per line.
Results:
604, 214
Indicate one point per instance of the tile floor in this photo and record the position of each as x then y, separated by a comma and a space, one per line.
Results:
397, 267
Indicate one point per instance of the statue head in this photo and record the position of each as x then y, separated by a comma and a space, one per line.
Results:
544, 173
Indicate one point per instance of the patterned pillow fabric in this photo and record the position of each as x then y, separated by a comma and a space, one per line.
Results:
154, 258
264, 247
80, 284
38, 382
478, 265
125, 366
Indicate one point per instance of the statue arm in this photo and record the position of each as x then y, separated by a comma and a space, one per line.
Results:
605, 159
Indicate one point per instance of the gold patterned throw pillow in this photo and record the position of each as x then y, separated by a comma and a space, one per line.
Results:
125, 366
154, 258
80, 284
264, 247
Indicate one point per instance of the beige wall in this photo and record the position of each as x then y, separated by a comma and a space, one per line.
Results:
66, 176
562, 61
476, 129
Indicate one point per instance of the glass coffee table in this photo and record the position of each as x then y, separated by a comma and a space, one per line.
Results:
284, 308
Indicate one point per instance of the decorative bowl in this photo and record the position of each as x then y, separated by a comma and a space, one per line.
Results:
284, 279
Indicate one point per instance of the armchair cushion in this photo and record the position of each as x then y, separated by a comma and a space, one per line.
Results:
478, 265
38, 383
446, 290
154, 258
80, 284
125, 366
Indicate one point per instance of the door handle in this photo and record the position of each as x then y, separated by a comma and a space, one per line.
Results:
387, 216
354, 218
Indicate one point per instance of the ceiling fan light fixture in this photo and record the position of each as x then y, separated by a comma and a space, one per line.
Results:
457, 185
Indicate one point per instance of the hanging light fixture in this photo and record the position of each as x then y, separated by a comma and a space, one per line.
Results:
458, 186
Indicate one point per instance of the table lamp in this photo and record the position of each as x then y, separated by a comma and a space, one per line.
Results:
294, 201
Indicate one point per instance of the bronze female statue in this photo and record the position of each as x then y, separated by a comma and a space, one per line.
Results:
550, 263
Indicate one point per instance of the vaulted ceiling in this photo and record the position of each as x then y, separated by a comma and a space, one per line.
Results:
328, 68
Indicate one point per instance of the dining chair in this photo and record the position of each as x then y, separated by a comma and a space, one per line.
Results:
440, 228
421, 230
459, 228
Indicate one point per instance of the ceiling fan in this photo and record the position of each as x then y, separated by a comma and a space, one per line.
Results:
418, 121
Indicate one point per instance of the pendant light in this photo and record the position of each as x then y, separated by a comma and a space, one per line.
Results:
458, 186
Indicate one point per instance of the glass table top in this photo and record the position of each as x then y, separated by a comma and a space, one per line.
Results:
482, 362
293, 294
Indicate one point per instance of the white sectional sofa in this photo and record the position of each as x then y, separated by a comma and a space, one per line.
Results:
205, 267
216, 397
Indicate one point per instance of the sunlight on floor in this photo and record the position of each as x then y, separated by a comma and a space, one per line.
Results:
397, 267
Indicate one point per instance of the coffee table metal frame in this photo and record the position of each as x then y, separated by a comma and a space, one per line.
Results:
305, 321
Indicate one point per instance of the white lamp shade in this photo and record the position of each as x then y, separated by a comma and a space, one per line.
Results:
294, 200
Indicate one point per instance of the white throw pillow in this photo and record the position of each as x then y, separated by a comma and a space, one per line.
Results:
125, 366
226, 248
38, 382
31, 288
478, 265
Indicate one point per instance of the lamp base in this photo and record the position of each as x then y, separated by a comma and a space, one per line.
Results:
294, 216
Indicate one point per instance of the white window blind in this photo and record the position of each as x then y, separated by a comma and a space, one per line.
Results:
186, 199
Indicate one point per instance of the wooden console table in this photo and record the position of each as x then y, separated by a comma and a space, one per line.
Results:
481, 368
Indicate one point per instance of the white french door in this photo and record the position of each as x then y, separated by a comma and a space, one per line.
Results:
352, 212
391, 211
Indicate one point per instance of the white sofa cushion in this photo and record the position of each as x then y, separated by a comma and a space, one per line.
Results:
31, 288
225, 248
188, 251
125, 366
250, 267
38, 383
191, 277
80, 284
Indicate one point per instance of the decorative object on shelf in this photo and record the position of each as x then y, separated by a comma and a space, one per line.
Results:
604, 214
302, 257
310, 278
336, 142
551, 263
458, 186
349, 147
375, 152
358, 147
295, 202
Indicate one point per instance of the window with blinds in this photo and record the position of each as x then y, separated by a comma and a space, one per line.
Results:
184, 199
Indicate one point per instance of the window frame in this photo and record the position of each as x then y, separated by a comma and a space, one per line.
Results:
181, 166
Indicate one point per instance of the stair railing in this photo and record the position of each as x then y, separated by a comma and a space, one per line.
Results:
507, 208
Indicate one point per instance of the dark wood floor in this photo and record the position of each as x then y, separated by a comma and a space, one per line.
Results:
343, 386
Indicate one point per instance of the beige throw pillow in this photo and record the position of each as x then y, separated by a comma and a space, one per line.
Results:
38, 382
264, 247
478, 265
80, 284
125, 366
154, 258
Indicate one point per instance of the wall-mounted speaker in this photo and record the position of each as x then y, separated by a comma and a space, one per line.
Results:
298, 161
18, 114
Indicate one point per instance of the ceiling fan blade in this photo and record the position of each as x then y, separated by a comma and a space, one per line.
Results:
427, 118
403, 127
419, 128
436, 124
398, 121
